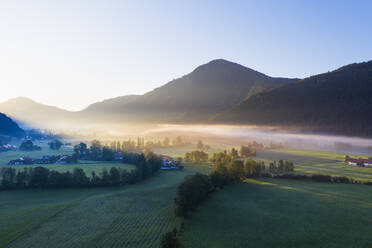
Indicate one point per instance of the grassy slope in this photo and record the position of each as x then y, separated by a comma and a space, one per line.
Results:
130, 216
279, 213
315, 162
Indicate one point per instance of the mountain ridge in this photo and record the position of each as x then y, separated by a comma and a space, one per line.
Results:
337, 101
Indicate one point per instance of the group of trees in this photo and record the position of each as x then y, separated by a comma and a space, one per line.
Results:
247, 151
227, 169
28, 145
96, 151
281, 166
140, 143
55, 144
40, 177
191, 192
200, 145
196, 156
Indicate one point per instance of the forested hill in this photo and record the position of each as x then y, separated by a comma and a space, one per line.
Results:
339, 101
216, 86
9, 128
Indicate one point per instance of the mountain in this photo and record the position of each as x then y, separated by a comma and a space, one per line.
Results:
339, 101
34, 113
210, 88
9, 128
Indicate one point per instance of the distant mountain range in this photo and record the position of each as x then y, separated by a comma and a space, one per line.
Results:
225, 92
211, 88
339, 101
9, 128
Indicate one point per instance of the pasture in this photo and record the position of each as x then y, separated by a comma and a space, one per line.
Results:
129, 216
87, 166
281, 213
316, 162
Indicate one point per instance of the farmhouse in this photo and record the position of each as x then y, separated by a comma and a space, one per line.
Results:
59, 159
170, 164
6, 148
21, 161
118, 156
362, 162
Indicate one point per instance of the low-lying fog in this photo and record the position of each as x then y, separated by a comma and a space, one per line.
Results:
227, 134
243, 134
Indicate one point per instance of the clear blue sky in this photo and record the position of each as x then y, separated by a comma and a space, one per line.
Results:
73, 53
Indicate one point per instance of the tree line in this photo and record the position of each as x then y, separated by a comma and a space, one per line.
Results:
146, 164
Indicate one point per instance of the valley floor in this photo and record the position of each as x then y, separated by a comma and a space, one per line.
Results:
129, 216
281, 213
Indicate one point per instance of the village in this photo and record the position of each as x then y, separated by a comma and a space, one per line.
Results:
58, 159
361, 162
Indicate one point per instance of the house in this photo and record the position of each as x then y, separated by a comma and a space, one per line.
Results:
6, 148
21, 161
118, 156
362, 162
63, 159
170, 164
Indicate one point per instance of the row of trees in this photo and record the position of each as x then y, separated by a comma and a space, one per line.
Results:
196, 156
140, 143
96, 151
41, 177
227, 169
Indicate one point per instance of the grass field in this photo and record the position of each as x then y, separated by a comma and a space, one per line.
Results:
270, 213
280, 213
88, 166
5, 157
129, 216
316, 162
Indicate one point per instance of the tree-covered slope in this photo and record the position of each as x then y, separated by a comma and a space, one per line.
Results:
339, 101
9, 128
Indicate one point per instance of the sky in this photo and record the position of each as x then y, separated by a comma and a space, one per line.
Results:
73, 53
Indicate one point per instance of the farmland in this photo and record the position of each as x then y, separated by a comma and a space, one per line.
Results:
280, 213
265, 213
129, 216
316, 162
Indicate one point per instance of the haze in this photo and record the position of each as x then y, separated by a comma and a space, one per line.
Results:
71, 54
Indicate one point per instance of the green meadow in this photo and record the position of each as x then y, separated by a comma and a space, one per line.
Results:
256, 213
280, 213
316, 162
128, 216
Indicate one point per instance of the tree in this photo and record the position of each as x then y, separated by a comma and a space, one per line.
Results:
55, 144
166, 141
114, 176
234, 153
107, 154
191, 192
246, 151
200, 145
28, 145
81, 150
8, 177
79, 178
96, 150
170, 240
236, 170
39, 177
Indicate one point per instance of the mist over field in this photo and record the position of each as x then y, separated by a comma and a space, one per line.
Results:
267, 135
